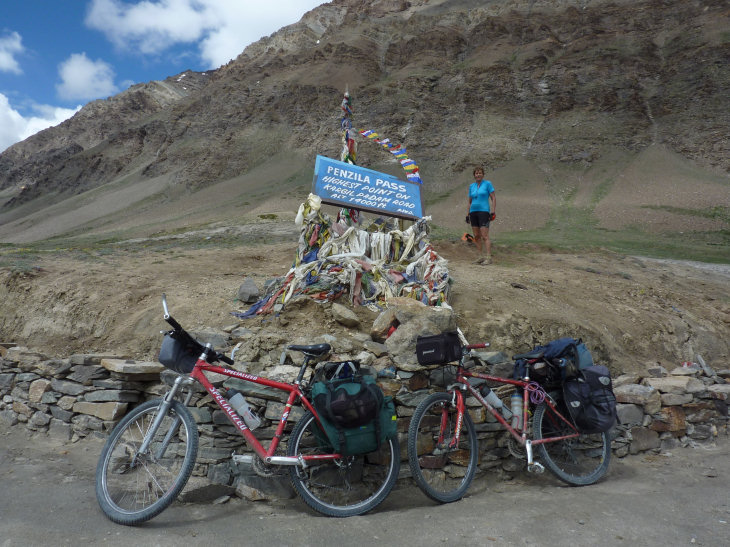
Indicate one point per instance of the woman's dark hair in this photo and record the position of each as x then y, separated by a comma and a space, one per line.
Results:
477, 168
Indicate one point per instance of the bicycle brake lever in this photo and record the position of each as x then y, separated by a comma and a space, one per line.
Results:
235, 350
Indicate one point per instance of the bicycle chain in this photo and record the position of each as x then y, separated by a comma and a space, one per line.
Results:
265, 470
516, 449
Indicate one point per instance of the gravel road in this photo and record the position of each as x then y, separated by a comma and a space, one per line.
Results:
678, 498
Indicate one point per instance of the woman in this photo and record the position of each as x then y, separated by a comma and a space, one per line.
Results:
482, 210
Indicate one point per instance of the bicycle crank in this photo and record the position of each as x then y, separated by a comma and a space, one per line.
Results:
532, 465
261, 468
535, 467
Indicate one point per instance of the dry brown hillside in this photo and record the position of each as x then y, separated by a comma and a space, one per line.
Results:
631, 311
614, 110
603, 125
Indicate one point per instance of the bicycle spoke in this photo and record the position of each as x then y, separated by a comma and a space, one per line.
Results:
578, 460
133, 487
349, 486
441, 467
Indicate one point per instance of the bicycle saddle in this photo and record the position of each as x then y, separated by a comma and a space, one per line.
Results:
316, 349
534, 354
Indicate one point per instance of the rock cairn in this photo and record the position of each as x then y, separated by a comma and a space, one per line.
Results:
86, 394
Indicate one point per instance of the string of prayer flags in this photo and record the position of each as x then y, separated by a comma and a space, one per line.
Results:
400, 153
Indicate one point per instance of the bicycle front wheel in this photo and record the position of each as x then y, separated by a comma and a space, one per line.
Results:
578, 461
349, 486
441, 467
133, 486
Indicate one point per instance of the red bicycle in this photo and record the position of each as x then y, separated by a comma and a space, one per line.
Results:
149, 456
443, 441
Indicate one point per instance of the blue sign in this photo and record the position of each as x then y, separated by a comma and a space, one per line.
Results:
344, 184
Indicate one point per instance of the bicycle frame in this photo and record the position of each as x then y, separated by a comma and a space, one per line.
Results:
295, 393
137, 479
519, 434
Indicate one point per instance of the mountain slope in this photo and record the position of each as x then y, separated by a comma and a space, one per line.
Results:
553, 90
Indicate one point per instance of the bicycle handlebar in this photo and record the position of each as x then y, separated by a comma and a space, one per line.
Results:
478, 346
212, 355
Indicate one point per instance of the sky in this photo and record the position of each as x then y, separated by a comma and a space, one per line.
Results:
58, 55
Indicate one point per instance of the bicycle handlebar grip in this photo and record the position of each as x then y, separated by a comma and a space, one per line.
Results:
477, 346
178, 328
174, 324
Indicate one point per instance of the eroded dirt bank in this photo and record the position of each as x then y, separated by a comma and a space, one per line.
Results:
631, 311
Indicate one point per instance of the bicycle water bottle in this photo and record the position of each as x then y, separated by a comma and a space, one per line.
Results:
238, 401
495, 401
516, 404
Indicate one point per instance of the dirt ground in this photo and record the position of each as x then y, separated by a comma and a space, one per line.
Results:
631, 311
677, 498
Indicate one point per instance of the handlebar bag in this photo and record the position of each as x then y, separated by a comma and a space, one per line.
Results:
178, 356
438, 349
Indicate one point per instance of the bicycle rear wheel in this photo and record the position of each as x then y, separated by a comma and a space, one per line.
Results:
578, 461
132, 486
444, 472
346, 487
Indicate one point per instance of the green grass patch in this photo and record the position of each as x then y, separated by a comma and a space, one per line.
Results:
699, 246
716, 213
436, 198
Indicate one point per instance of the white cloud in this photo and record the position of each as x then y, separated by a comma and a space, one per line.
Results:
82, 78
220, 28
10, 46
14, 127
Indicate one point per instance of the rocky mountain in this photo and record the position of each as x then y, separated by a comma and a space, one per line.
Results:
560, 84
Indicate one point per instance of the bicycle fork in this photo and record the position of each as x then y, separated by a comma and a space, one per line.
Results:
162, 411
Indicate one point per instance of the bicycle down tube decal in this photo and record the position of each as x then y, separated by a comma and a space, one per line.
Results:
226, 406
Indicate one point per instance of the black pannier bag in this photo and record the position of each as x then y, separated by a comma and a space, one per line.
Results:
438, 349
590, 400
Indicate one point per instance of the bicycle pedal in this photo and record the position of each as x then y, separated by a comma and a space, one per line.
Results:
536, 467
242, 458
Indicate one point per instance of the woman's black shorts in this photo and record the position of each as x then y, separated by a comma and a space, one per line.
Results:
480, 218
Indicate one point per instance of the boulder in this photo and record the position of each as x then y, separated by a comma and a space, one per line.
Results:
132, 367
344, 316
645, 396
37, 389
106, 411
630, 414
676, 384
643, 439
671, 418
382, 325
248, 292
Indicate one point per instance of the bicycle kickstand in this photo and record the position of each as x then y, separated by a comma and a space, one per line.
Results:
532, 465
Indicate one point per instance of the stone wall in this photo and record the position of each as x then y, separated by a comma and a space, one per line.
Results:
83, 395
